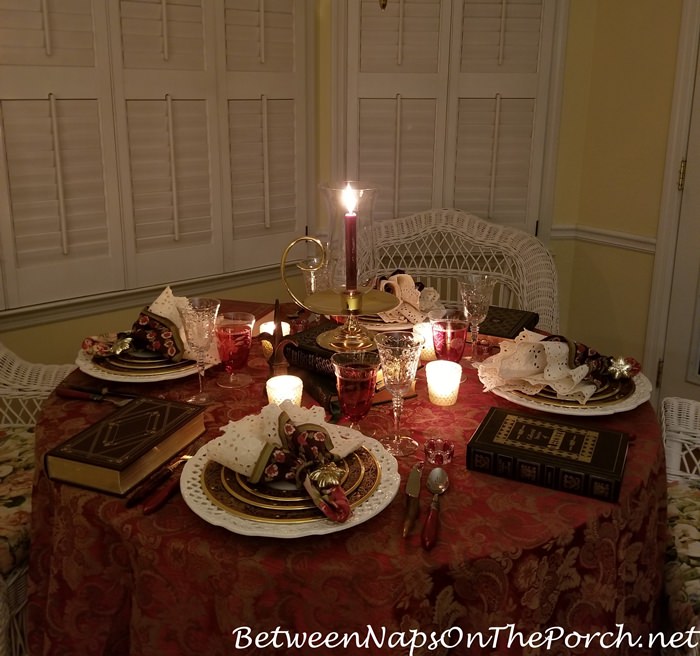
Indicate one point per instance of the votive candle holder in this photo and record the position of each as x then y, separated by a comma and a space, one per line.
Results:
443, 381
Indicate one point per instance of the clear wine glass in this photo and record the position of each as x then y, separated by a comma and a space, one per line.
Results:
476, 292
234, 337
199, 321
399, 353
356, 382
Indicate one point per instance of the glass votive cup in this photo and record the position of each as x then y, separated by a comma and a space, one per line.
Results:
425, 330
443, 381
439, 451
283, 388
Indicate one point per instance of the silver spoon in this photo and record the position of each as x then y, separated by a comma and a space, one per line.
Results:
437, 483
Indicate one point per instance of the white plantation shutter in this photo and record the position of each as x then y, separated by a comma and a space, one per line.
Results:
494, 146
263, 180
447, 104
404, 36
266, 164
55, 33
169, 156
260, 35
149, 142
501, 37
393, 116
61, 234
162, 34
397, 152
169, 145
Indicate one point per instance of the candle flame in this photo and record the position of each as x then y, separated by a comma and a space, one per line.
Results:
350, 199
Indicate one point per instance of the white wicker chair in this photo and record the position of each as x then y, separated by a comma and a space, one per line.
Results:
680, 422
23, 388
438, 246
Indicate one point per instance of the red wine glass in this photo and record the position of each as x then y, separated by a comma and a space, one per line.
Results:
356, 381
234, 336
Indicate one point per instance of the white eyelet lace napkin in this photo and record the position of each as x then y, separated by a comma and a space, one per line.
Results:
242, 441
528, 364
414, 305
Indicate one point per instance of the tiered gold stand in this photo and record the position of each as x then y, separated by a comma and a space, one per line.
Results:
350, 336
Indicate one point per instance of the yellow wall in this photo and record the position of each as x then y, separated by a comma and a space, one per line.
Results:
618, 88
620, 65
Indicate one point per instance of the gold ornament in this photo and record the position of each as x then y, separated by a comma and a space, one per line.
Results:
328, 475
620, 368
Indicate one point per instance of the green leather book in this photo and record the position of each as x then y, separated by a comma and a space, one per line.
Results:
551, 453
120, 450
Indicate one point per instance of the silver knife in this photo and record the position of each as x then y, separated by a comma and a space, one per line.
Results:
412, 494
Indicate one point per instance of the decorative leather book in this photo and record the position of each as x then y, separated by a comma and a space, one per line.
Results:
550, 453
507, 322
120, 450
305, 353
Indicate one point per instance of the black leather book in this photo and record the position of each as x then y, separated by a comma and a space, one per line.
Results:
507, 322
120, 450
550, 453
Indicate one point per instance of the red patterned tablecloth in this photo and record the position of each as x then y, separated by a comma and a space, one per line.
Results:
108, 580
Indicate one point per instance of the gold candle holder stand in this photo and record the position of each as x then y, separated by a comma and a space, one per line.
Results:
351, 335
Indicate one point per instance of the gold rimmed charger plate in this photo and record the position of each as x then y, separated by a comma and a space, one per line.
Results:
127, 364
611, 393
277, 505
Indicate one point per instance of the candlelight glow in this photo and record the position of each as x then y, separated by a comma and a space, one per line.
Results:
350, 199
443, 381
281, 388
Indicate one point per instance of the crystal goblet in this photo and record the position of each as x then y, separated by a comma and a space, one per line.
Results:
476, 292
399, 353
199, 321
356, 382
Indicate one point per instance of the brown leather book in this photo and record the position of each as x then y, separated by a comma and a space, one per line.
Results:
551, 453
123, 448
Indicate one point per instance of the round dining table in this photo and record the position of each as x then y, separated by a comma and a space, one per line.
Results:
517, 568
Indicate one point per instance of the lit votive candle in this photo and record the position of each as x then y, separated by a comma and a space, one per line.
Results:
281, 388
425, 330
269, 328
443, 381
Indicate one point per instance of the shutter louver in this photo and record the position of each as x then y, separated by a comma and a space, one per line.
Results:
404, 37
46, 34
260, 35
167, 35
170, 176
397, 153
494, 149
263, 158
501, 36
60, 236
57, 196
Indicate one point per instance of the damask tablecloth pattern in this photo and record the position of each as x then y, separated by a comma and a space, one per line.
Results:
108, 580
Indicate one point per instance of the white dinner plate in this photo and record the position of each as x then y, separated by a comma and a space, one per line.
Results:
196, 497
87, 365
641, 394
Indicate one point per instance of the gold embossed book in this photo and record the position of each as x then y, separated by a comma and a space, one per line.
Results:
549, 452
122, 449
